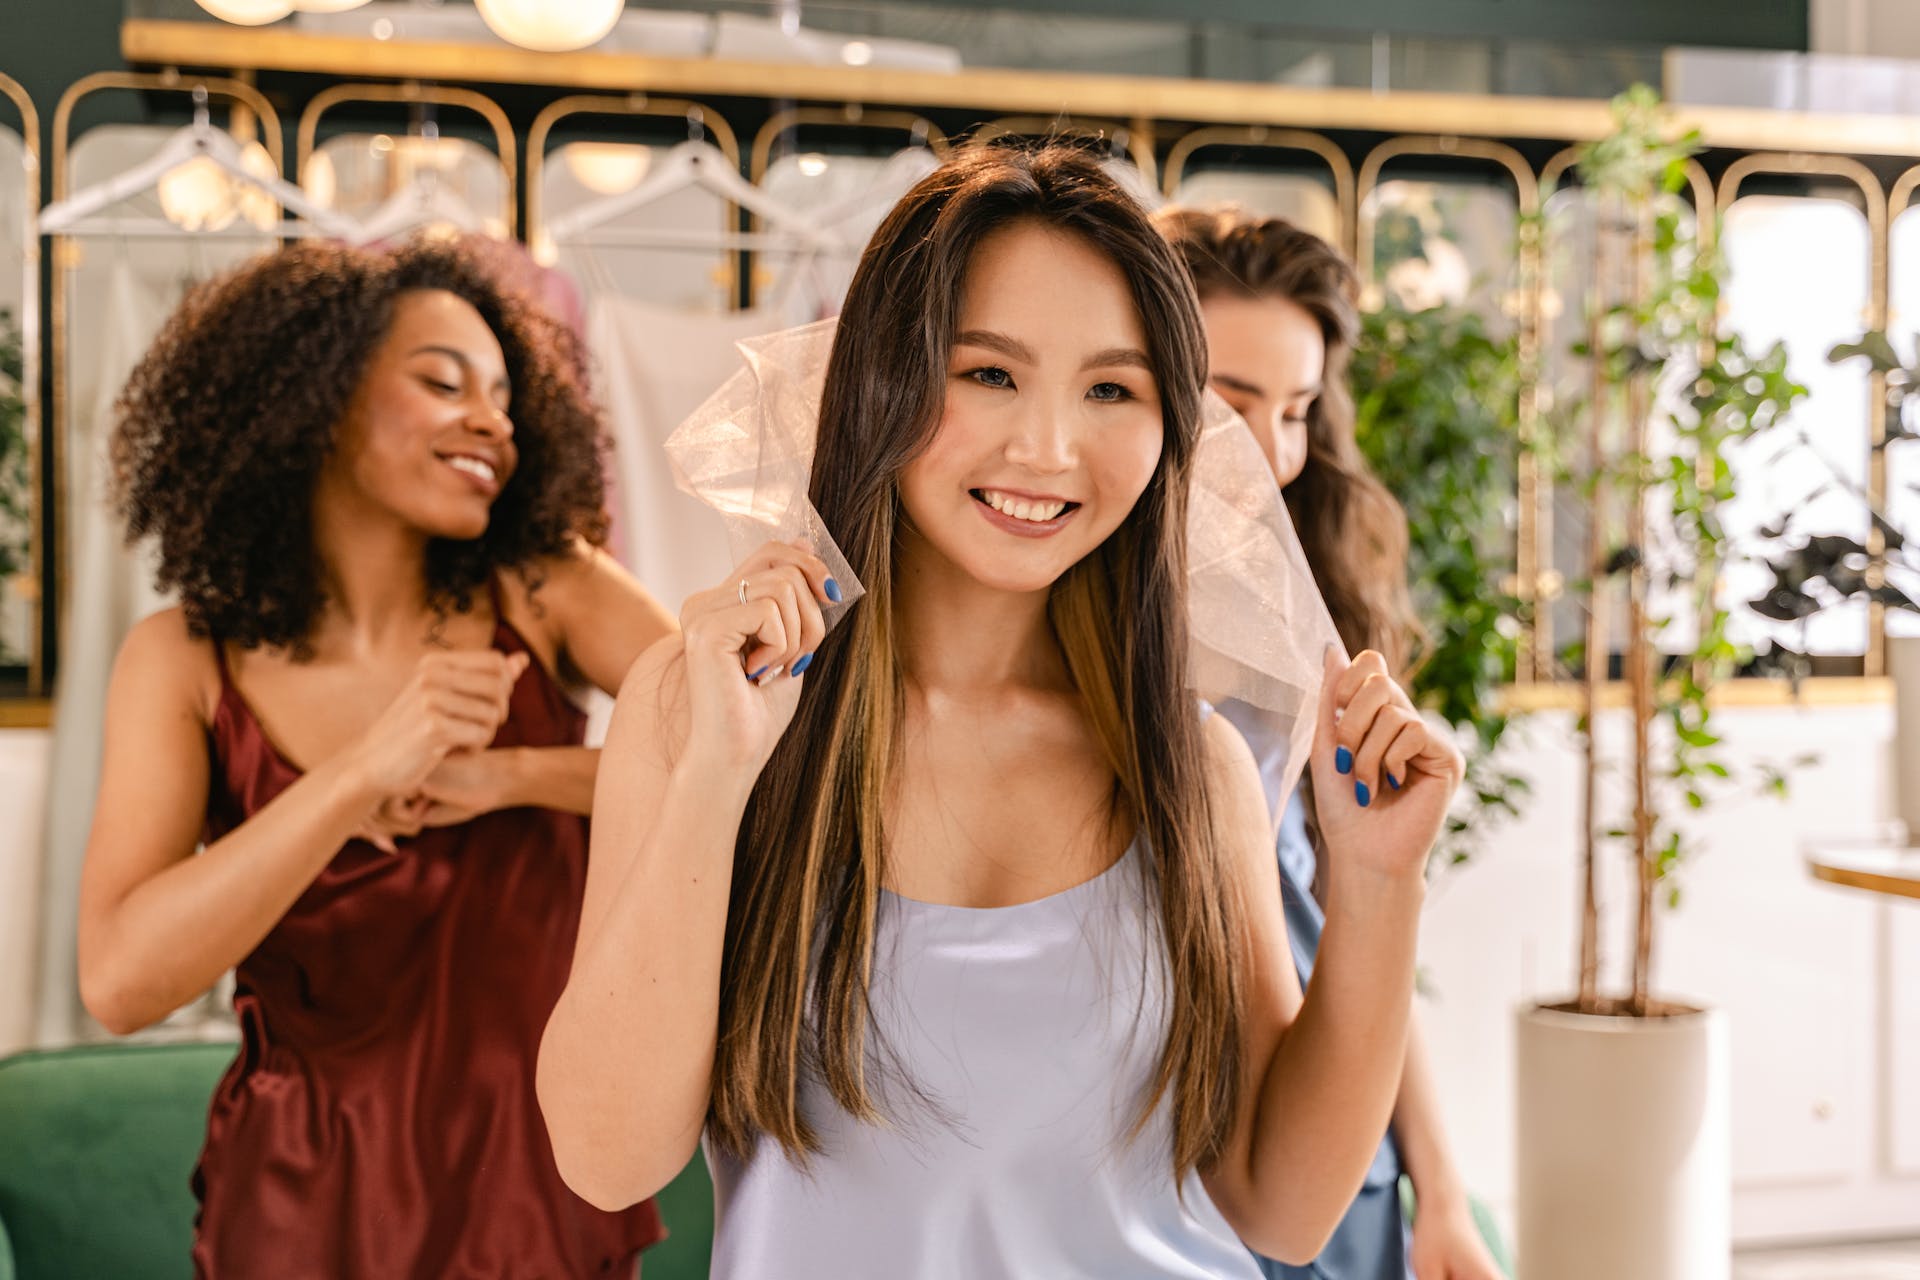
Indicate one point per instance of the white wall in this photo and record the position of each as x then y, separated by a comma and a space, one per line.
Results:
1821, 984
23, 792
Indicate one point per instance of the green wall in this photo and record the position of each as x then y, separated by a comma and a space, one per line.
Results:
48, 44
1757, 24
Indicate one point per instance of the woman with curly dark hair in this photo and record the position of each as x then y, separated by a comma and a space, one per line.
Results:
375, 482
1279, 308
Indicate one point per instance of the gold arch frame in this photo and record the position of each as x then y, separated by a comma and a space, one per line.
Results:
242, 98
410, 93
14, 92
852, 115
639, 106
1536, 645
1847, 169
1552, 174
1338, 164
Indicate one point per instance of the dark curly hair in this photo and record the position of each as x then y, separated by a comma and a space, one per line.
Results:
225, 424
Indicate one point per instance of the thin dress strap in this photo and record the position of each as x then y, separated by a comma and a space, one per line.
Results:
220, 660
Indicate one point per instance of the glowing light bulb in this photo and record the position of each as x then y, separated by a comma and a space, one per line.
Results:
550, 26
253, 203
248, 13
321, 180
608, 168
196, 195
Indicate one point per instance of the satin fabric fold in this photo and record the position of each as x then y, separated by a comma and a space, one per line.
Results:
380, 1119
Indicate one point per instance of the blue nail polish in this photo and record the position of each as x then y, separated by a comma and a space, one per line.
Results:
1360, 793
833, 591
755, 675
1343, 760
800, 667
1393, 782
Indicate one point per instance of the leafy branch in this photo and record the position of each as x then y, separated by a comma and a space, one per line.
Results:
1671, 396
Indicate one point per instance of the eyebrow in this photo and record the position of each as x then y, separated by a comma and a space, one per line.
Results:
1014, 349
459, 358
1241, 384
1232, 383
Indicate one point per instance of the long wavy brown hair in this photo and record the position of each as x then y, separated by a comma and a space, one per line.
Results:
810, 858
1353, 531
225, 424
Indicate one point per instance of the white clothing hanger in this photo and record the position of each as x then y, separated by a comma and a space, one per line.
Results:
845, 223
74, 215
691, 164
845, 218
423, 202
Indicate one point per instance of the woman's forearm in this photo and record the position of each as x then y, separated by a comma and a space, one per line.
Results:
1419, 1128
642, 1002
551, 778
175, 933
1328, 1095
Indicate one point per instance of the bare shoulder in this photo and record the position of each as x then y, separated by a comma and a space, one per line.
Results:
1230, 762
554, 585
583, 604
1233, 785
162, 661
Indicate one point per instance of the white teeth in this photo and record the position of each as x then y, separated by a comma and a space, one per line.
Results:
1022, 509
473, 467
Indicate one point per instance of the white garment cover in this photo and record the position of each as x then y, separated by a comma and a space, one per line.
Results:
656, 365
109, 588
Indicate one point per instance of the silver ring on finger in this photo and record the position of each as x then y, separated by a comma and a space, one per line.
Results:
742, 592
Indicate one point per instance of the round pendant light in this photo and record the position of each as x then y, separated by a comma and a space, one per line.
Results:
248, 13
550, 26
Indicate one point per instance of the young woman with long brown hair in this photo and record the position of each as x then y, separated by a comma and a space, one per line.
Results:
1279, 305
963, 943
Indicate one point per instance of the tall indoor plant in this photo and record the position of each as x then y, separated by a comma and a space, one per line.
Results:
1623, 1139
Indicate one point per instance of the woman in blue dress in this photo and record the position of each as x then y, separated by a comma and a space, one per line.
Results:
1279, 307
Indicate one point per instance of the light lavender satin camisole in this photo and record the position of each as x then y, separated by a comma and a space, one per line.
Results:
1014, 1046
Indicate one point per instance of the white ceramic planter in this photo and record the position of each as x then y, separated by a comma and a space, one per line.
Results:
1623, 1164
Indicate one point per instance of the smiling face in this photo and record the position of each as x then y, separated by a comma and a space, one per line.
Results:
1267, 358
1052, 423
426, 435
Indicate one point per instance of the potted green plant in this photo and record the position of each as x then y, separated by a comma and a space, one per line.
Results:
1622, 1112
